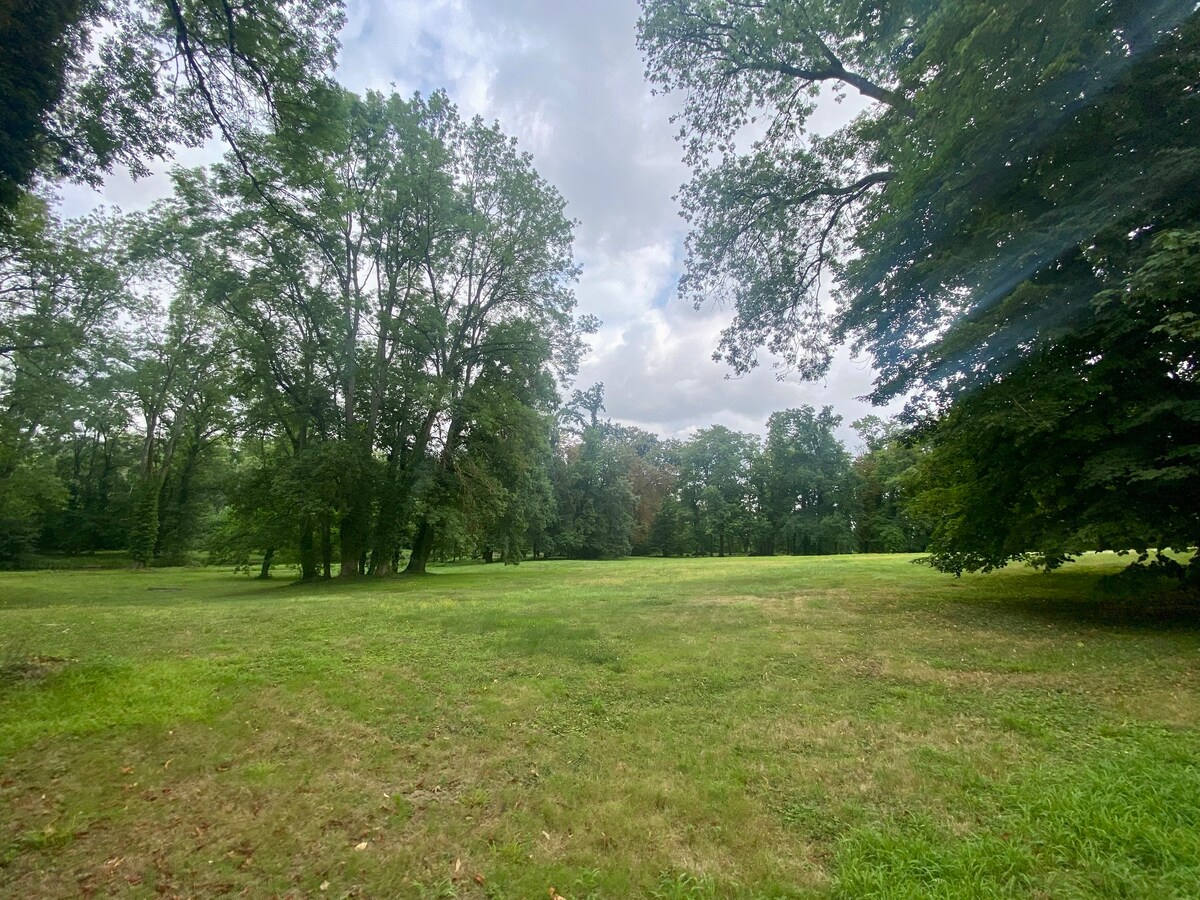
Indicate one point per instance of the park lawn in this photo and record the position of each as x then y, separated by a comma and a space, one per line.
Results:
784, 727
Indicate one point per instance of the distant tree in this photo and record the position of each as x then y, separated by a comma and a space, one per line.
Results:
62, 296
585, 406
257, 521
96, 458
806, 486
716, 487
652, 464
176, 385
671, 533
884, 485
596, 503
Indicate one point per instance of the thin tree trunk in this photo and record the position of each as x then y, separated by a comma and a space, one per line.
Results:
308, 551
264, 571
326, 548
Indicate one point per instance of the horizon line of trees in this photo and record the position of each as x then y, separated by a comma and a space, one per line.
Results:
796, 491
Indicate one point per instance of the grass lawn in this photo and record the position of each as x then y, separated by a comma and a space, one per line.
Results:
843, 726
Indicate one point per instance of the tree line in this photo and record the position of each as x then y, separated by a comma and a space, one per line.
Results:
351, 334
620, 490
175, 449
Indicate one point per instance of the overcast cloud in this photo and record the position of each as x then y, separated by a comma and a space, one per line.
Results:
566, 80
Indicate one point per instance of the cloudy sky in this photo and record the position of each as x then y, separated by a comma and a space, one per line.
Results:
566, 79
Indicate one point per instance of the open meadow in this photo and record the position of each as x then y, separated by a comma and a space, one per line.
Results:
763, 727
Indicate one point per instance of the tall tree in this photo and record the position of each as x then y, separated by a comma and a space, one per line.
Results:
716, 486
884, 485
504, 287
994, 221
61, 296
596, 502
806, 484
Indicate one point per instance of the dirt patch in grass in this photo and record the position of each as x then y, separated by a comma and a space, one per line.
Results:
33, 668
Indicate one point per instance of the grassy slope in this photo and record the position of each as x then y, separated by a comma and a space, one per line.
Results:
740, 727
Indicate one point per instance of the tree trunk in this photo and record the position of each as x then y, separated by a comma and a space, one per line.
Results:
354, 528
349, 564
326, 548
265, 571
308, 551
387, 523
422, 548
143, 537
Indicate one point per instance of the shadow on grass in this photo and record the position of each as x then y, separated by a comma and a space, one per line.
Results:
1071, 599
162, 587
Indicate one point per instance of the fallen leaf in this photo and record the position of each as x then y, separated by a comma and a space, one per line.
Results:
126, 770
324, 885
479, 879
457, 866
362, 846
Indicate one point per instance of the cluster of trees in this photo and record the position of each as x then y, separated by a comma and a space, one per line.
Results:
619, 490
1011, 228
355, 339
344, 340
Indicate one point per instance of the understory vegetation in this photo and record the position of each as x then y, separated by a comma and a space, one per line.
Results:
776, 727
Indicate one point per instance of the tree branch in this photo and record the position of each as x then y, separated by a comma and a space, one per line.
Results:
835, 72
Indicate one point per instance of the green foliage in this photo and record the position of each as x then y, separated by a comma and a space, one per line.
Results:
1010, 226
58, 340
39, 38
91, 84
31, 492
143, 534
596, 503
806, 484
884, 489
671, 533
715, 486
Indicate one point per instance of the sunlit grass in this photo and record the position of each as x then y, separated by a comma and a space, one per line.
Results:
664, 728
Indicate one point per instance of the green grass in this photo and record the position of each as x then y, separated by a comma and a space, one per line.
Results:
846, 726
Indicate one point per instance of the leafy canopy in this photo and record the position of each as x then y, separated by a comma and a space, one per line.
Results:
1008, 229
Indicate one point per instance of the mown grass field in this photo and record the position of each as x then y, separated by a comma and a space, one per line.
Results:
846, 726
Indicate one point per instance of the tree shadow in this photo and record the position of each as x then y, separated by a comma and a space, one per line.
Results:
1083, 599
